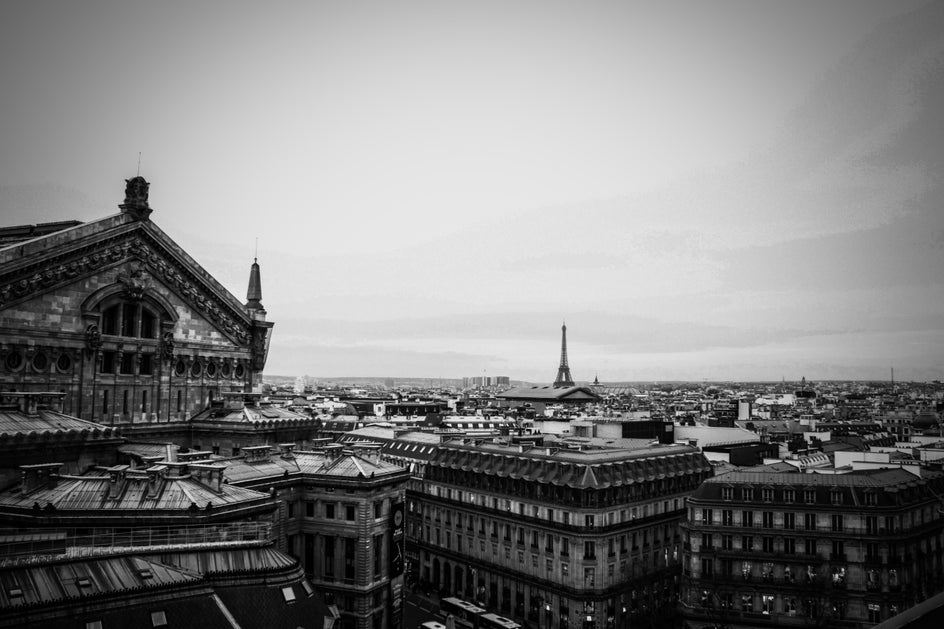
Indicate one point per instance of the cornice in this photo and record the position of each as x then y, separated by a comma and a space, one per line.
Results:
19, 283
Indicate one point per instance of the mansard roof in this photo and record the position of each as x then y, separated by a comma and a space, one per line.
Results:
332, 462
76, 580
550, 393
46, 423
121, 493
589, 469
889, 486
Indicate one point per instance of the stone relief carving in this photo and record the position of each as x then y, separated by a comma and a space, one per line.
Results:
93, 338
73, 264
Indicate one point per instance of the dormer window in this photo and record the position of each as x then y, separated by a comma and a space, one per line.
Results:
727, 493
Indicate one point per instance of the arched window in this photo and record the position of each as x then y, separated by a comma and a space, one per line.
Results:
130, 319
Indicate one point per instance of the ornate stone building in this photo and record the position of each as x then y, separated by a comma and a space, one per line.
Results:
122, 320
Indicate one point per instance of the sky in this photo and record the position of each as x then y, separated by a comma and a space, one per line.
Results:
723, 190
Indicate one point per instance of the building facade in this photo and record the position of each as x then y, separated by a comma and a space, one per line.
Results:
805, 549
551, 536
114, 314
342, 515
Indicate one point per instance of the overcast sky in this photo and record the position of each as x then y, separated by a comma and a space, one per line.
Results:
725, 189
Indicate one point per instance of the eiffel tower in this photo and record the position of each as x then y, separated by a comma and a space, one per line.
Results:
563, 372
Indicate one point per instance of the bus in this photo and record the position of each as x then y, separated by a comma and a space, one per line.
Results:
464, 613
494, 621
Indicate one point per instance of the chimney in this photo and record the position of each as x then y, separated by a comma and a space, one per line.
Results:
116, 478
175, 469
210, 475
287, 450
170, 453
256, 454
40, 476
155, 475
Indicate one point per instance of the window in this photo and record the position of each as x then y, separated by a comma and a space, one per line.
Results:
158, 619
104, 401
108, 362
835, 496
93, 624
767, 494
288, 594
707, 567
589, 550
768, 543
747, 542
588, 521
706, 541
146, 368
789, 546
588, 577
809, 521
837, 522
767, 603
768, 519
144, 405
329, 511
789, 495
747, 603
565, 569
706, 516
727, 517
839, 550
789, 521
378, 510
309, 509
727, 542
747, 518
747, 494
349, 513
809, 496
810, 547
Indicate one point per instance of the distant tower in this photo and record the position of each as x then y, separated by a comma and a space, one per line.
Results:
563, 372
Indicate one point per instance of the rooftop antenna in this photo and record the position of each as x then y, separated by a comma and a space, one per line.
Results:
139, 164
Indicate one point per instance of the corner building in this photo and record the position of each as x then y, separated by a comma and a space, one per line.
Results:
789, 549
553, 537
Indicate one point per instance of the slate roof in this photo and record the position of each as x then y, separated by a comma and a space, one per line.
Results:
341, 464
15, 423
62, 581
885, 483
77, 494
550, 394
577, 469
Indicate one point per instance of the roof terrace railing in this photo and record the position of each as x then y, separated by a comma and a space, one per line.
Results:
29, 545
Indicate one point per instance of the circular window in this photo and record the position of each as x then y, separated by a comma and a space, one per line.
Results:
14, 361
180, 368
40, 361
211, 370
196, 369
226, 370
64, 362
240, 371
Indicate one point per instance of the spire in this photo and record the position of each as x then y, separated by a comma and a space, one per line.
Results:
563, 371
254, 294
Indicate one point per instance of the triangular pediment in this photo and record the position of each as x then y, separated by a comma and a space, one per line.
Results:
137, 253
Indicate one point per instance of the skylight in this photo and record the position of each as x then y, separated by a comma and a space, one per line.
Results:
288, 594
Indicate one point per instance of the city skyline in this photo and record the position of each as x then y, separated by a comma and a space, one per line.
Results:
740, 191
